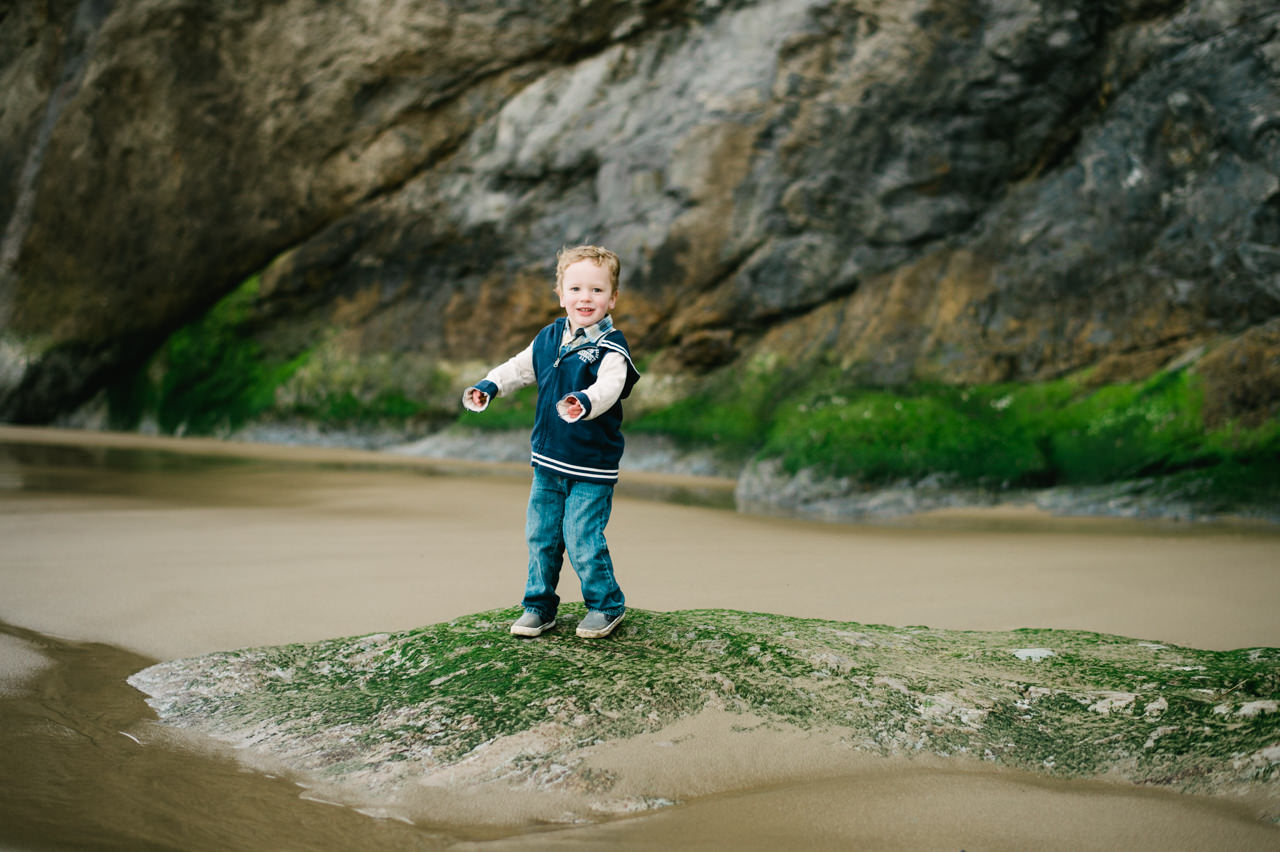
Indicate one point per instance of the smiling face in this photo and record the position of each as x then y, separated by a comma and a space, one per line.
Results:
586, 293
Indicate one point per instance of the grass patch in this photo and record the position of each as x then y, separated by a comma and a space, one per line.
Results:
1063, 432
731, 416
209, 377
213, 376
509, 412
351, 409
879, 436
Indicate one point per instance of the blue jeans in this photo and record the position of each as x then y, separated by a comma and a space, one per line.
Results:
567, 514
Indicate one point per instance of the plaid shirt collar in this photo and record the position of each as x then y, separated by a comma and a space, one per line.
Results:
588, 336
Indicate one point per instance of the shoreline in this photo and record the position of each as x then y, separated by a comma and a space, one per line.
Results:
315, 455
1032, 509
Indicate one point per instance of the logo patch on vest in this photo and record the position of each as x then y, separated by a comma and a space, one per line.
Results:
588, 356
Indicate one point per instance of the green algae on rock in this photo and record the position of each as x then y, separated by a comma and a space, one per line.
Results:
371, 713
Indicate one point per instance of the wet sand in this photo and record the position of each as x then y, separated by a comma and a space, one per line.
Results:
114, 539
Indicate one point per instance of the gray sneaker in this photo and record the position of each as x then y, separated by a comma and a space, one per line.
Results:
531, 624
597, 625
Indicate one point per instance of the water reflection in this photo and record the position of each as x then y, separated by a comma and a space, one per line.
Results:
127, 471
97, 470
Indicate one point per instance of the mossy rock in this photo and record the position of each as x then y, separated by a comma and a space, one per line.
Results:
375, 710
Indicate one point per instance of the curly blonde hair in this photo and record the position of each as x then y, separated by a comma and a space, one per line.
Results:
598, 255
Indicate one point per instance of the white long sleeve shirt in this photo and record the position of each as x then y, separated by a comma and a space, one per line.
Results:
517, 372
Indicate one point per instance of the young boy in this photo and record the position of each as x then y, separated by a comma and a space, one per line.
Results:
583, 370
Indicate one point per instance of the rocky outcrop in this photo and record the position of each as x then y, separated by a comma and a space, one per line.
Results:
765, 487
465, 707
934, 189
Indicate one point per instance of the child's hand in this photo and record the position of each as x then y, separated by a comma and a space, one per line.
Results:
571, 409
478, 398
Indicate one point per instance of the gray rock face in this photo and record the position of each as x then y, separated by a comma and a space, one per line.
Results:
927, 189
190, 143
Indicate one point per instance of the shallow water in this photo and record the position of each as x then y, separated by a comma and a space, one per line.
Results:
83, 768
173, 553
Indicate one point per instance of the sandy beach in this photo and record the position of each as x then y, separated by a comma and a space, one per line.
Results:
224, 546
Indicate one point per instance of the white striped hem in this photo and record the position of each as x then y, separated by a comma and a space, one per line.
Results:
573, 469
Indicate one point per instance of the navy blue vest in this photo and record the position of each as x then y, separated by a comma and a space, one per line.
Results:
588, 450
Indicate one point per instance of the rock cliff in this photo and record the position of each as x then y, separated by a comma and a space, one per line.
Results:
960, 191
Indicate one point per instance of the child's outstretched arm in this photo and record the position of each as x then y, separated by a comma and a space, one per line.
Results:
506, 378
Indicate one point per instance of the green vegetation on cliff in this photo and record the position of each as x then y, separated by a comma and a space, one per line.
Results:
1063, 432
214, 376
210, 376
